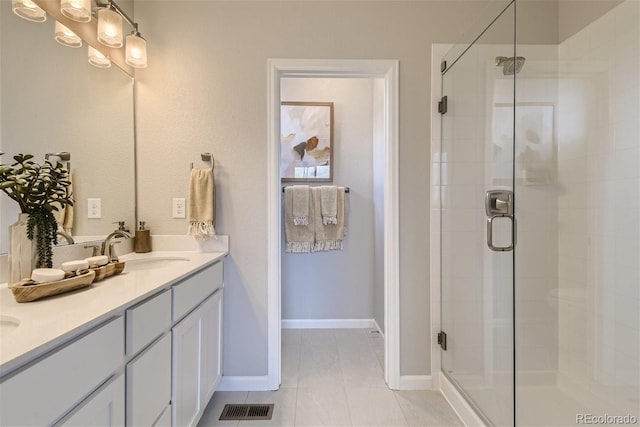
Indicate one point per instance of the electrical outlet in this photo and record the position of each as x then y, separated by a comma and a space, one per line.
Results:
94, 208
179, 208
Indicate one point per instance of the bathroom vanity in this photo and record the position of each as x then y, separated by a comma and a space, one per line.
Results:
140, 349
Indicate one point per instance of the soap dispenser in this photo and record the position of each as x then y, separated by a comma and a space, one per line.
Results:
142, 241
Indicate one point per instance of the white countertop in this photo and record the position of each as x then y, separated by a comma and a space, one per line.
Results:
48, 322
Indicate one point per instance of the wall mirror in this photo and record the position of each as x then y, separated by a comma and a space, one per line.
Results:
53, 100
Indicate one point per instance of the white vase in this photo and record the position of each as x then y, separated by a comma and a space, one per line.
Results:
22, 251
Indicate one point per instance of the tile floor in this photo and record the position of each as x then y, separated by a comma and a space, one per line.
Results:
334, 377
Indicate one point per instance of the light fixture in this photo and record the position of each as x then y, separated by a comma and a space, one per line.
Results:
76, 10
97, 58
109, 27
66, 37
28, 10
136, 45
136, 50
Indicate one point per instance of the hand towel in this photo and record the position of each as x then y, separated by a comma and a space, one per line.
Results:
298, 238
300, 199
64, 215
329, 237
329, 204
202, 204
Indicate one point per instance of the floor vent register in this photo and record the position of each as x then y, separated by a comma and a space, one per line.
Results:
246, 412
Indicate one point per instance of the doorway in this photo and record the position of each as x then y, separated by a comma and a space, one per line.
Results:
380, 69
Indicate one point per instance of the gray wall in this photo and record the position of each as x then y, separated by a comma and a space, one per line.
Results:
338, 284
206, 90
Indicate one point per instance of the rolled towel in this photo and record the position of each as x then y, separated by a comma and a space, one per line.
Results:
202, 198
329, 204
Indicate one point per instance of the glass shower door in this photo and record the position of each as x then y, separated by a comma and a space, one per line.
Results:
476, 184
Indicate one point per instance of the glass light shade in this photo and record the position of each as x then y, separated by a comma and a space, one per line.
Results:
98, 59
109, 28
28, 10
66, 37
136, 51
77, 10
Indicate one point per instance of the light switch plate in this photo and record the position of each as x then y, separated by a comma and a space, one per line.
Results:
179, 208
94, 208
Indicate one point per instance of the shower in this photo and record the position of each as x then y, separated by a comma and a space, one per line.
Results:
510, 66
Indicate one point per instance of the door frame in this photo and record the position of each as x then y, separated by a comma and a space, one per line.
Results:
337, 68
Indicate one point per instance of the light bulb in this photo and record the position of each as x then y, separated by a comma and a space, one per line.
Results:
109, 28
77, 10
136, 51
97, 58
26, 9
66, 37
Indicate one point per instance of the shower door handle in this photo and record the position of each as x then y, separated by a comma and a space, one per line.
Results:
499, 204
490, 233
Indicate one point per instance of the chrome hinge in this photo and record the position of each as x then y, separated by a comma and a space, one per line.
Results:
442, 105
442, 340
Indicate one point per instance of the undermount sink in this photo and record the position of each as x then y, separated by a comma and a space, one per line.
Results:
8, 325
152, 263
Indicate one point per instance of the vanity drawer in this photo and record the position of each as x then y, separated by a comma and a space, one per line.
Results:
147, 320
195, 289
46, 390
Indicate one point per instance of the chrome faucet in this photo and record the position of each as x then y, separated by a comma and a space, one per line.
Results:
66, 236
106, 244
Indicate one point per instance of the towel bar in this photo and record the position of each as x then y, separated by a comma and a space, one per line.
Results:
346, 189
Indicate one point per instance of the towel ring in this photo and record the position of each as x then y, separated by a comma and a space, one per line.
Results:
206, 157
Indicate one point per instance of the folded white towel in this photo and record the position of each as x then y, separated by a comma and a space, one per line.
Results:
300, 208
202, 211
299, 238
329, 204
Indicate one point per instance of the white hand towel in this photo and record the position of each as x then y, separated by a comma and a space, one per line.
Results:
329, 204
300, 207
299, 238
202, 199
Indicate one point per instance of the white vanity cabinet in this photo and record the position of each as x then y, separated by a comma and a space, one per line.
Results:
197, 344
104, 408
148, 373
155, 362
50, 387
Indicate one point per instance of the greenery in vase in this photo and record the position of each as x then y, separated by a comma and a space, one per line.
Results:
39, 190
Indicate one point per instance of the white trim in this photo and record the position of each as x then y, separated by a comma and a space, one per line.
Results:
329, 324
464, 411
416, 382
389, 70
241, 383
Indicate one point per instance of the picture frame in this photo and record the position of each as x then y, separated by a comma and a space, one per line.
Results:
306, 138
535, 149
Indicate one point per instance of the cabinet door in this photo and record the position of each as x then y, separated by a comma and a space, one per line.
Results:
211, 345
105, 408
186, 372
149, 384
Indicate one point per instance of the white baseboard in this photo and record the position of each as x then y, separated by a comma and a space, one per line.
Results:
416, 382
328, 323
242, 383
459, 404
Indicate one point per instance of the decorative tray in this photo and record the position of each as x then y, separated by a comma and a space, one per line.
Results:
108, 270
27, 290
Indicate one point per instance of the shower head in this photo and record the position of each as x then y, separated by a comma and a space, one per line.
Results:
510, 66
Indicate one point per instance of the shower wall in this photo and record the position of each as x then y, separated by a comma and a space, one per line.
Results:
598, 217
